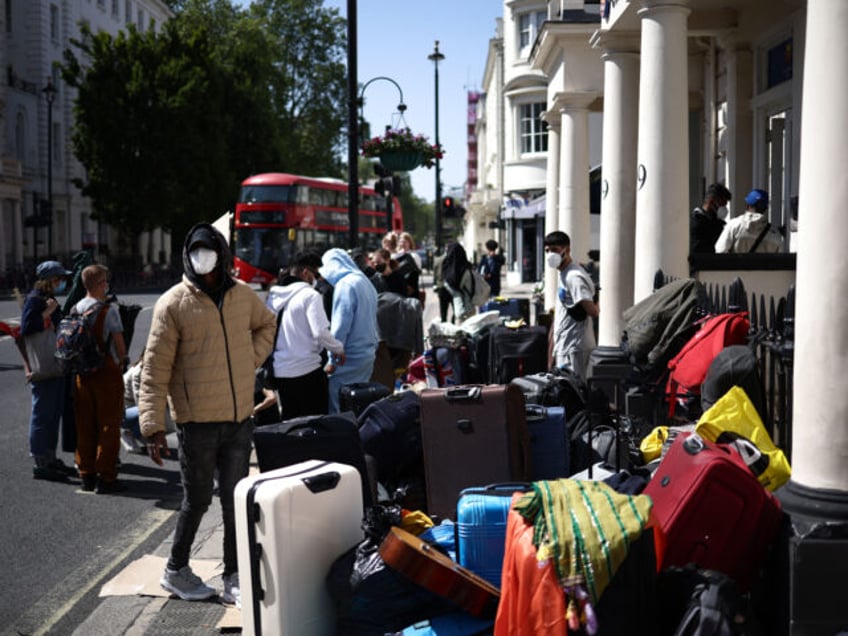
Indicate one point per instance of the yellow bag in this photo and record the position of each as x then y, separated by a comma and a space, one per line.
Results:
733, 417
651, 445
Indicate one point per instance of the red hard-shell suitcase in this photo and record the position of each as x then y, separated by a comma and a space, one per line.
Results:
472, 435
713, 510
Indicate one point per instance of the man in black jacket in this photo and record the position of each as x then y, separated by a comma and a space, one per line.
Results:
704, 225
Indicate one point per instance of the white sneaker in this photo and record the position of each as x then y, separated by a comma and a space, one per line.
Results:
232, 591
186, 584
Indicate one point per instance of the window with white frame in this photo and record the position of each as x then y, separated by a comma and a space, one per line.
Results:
529, 25
140, 22
54, 22
115, 9
128, 12
533, 132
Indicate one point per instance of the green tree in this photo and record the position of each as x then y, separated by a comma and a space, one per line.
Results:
309, 86
168, 124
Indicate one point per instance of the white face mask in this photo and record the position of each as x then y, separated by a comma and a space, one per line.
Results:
554, 259
203, 260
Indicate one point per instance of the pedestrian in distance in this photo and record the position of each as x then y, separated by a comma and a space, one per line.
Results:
39, 319
574, 339
302, 336
208, 335
705, 224
459, 281
751, 231
387, 268
442, 292
490, 267
390, 241
99, 395
406, 245
353, 323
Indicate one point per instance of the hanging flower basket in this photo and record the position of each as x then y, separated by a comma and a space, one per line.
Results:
400, 150
398, 161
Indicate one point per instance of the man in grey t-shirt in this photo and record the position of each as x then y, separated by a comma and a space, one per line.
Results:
574, 337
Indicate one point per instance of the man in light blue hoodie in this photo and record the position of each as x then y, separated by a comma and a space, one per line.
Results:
354, 322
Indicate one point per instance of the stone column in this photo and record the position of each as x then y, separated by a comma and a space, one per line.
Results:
618, 188
662, 194
552, 198
574, 170
816, 498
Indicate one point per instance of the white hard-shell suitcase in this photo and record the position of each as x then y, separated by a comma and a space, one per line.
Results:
292, 523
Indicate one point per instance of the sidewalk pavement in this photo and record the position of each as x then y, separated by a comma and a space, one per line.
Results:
135, 615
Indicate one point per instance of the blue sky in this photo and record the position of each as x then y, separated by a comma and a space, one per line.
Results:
394, 40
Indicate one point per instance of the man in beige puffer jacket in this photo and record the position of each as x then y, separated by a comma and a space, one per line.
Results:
208, 335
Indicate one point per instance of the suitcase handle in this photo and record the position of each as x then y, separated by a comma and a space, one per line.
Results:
467, 392
322, 482
535, 410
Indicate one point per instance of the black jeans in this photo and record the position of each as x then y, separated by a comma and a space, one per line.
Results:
205, 446
304, 395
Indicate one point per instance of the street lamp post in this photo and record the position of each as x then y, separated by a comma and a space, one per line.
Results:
50, 94
437, 57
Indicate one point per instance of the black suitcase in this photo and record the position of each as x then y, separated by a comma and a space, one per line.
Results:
562, 388
517, 352
357, 396
478, 356
390, 431
332, 438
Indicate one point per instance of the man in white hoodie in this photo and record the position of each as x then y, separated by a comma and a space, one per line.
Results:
750, 231
303, 333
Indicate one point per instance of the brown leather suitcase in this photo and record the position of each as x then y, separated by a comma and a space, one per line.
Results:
472, 435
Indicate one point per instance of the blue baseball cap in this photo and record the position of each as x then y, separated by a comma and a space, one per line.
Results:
755, 197
49, 269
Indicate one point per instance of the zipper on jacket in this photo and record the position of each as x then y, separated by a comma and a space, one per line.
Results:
229, 362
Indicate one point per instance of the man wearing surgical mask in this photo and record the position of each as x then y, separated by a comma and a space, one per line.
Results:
574, 337
208, 335
705, 222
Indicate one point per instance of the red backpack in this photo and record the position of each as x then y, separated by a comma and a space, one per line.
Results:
687, 370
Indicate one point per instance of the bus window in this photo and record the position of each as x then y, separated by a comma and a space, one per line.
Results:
266, 249
266, 194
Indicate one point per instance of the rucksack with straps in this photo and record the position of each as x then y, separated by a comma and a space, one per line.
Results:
687, 370
80, 346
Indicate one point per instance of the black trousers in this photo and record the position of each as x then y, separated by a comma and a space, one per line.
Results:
304, 395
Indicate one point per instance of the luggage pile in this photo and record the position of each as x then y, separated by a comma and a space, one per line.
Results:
523, 500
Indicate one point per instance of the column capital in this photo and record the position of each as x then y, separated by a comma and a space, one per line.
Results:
654, 7
616, 42
551, 118
573, 101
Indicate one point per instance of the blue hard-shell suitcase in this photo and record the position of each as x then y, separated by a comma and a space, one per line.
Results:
549, 442
509, 307
481, 515
454, 624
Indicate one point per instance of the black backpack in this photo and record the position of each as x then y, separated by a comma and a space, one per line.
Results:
79, 348
702, 603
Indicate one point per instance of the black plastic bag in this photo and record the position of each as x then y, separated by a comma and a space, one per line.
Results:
371, 598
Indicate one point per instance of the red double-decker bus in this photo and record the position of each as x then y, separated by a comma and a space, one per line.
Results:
279, 214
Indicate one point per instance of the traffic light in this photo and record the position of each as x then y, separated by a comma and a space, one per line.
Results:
387, 186
451, 209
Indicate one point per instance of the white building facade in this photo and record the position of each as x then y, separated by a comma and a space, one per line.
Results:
33, 36
748, 93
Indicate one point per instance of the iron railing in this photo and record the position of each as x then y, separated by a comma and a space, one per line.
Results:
771, 337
